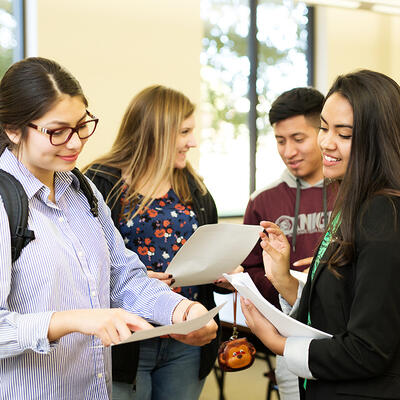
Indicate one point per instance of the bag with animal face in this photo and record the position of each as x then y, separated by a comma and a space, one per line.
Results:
236, 355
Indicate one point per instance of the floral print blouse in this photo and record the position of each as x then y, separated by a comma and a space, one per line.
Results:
157, 233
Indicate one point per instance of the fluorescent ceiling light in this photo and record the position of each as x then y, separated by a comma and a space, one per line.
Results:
393, 3
382, 6
335, 3
385, 9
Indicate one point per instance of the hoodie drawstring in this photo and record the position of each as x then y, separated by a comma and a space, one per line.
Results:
296, 214
297, 208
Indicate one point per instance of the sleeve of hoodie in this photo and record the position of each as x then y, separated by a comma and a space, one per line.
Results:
253, 264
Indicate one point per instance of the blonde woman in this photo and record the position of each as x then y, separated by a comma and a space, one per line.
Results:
157, 202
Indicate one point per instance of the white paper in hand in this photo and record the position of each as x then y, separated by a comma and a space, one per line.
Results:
182, 328
287, 326
211, 251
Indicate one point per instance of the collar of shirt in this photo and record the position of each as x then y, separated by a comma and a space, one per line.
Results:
10, 163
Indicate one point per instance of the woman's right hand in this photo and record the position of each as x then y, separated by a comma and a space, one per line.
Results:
110, 325
276, 258
276, 254
161, 276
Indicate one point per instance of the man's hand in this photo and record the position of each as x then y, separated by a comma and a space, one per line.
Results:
303, 262
223, 283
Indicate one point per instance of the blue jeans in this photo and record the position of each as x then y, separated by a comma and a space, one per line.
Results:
167, 369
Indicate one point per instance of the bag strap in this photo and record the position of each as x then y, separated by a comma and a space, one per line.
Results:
16, 205
235, 332
87, 191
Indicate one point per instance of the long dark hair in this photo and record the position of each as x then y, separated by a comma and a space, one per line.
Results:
28, 90
374, 162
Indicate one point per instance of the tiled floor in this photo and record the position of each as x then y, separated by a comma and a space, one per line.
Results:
249, 384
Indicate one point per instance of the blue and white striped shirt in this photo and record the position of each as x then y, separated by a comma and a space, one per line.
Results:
76, 261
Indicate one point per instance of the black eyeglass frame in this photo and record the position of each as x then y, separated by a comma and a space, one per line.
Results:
51, 132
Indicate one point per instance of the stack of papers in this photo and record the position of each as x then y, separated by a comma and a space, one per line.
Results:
285, 325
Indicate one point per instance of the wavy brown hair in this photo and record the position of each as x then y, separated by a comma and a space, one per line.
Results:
145, 146
374, 162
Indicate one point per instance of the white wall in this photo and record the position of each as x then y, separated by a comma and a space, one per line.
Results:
394, 48
347, 40
116, 48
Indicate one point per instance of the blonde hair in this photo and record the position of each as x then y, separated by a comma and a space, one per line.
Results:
145, 147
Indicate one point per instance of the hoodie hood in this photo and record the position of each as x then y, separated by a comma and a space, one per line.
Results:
291, 181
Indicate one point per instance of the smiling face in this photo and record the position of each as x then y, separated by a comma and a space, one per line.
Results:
335, 135
297, 144
185, 141
39, 155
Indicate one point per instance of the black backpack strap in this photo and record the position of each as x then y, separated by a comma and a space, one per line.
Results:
87, 191
17, 207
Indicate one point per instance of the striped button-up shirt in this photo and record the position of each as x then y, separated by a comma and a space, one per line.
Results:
75, 261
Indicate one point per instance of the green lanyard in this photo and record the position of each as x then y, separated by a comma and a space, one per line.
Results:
321, 251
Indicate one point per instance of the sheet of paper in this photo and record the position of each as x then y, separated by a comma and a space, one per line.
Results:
287, 326
300, 276
211, 251
182, 328
226, 314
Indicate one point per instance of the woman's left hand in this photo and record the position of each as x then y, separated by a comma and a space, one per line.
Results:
223, 283
262, 328
203, 335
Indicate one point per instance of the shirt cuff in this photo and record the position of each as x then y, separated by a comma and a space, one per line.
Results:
165, 307
32, 330
286, 307
296, 356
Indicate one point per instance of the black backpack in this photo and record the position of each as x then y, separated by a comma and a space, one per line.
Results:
16, 204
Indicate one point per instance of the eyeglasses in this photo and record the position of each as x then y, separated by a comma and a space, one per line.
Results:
62, 135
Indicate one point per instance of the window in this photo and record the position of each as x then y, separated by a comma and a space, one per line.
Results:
11, 33
252, 51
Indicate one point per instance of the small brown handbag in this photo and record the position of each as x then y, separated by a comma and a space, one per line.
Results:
235, 354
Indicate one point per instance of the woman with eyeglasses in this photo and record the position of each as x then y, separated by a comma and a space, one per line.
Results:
75, 288
352, 290
158, 201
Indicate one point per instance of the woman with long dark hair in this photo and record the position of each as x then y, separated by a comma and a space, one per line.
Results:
352, 288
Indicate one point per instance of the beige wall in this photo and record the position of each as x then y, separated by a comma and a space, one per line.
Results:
394, 48
116, 48
347, 40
